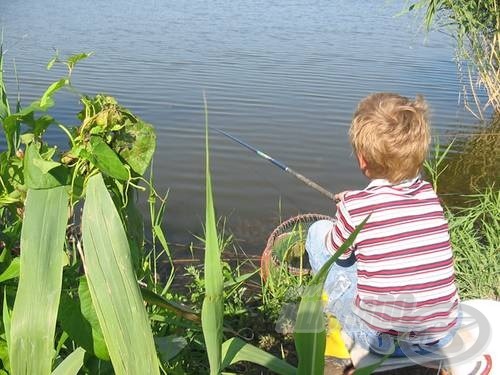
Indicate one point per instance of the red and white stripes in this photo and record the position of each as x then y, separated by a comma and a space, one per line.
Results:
406, 280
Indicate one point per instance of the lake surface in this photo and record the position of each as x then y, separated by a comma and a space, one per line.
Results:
284, 76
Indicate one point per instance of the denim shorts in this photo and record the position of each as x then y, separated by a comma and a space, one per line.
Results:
340, 286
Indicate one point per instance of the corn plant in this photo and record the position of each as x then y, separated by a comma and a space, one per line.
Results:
39, 187
113, 286
32, 327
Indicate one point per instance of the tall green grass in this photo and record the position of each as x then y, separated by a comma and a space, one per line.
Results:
475, 237
474, 230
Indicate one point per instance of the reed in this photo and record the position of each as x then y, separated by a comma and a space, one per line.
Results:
475, 25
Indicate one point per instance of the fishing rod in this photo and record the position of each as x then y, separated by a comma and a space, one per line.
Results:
281, 166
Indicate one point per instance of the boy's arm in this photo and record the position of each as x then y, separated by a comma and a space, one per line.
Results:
340, 231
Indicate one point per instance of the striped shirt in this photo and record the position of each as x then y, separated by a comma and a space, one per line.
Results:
406, 282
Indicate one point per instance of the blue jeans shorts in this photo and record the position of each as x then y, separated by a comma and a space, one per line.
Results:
340, 286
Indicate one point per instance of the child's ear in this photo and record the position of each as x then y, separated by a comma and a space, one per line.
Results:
362, 164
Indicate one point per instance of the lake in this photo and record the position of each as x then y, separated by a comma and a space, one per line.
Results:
284, 76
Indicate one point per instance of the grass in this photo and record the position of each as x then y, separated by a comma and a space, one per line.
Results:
474, 222
475, 240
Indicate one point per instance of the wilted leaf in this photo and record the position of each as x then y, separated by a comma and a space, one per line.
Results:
136, 144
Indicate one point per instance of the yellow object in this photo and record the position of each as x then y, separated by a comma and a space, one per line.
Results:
335, 346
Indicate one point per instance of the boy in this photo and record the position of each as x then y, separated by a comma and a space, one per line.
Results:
396, 282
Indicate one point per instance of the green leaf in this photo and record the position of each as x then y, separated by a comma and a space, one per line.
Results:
170, 346
53, 60
41, 124
45, 166
12, 270
37, 299
90, 315
182, 311
370, 369
309, 332
72, 60
136, 144
40, 173
212, 311
4, 103
4, 356
45, 100
134, 229
235, 350
106, 159
6, 319
71, 364
113, 285
11, 128
79, 319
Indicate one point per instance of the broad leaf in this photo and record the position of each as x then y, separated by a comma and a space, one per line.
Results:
40, 173
37, 299
106, 159
113, 285
170, 346
73, 59
136, 144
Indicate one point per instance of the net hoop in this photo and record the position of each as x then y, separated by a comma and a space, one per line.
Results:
268, 259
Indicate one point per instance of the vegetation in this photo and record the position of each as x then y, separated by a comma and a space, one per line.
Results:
85, 298
476, 27
474, 226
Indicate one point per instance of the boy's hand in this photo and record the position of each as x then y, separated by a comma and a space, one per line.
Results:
340, 196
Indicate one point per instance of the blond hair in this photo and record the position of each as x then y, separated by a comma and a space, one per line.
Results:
392, 134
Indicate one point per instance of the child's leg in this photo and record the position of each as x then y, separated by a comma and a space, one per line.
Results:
318, 255
340, 285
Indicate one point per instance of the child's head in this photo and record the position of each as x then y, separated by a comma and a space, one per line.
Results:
390, 135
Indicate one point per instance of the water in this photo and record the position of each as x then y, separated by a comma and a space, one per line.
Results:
284, 76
